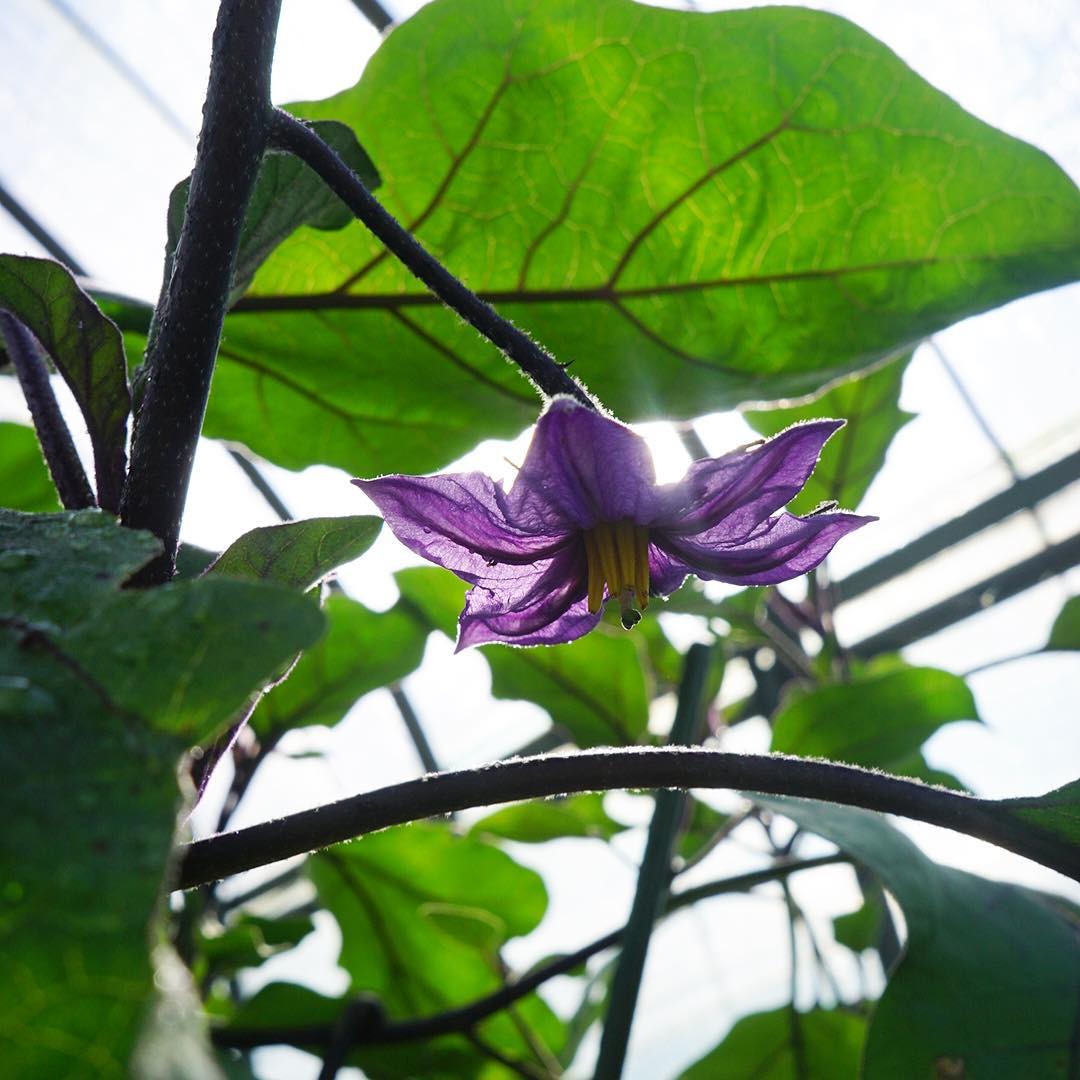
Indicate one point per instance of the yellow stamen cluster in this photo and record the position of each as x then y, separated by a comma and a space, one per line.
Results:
618, 557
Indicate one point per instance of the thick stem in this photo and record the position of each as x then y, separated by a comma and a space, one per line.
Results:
603, 770
536, 362
180, 357
57, 448
468, 1016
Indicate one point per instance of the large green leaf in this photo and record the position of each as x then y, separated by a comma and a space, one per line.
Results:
697, 210
1065, 633
878, 719
97, 684
784, 1045
87, 350
593, 688
422, 912
287, 194
297, 554
990, 977
855, 454
24, 483
361, 651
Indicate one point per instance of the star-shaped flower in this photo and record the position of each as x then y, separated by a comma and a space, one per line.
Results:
585, 522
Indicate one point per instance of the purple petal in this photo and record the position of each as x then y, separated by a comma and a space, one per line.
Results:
529, 605
743, 488
666, 573
581, 468
458, 521
781, 548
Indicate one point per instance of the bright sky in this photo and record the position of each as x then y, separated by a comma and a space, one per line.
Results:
95, 164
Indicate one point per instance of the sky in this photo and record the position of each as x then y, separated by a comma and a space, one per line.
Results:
95, 161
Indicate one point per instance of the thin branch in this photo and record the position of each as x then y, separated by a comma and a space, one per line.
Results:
38, 231
375, 14
57, 447
537, 363
187, 324
606, 769
415, 728
260, 483
468, 1016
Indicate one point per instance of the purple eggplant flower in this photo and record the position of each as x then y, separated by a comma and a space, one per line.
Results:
586, 522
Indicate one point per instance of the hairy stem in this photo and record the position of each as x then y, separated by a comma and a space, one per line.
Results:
57, 448
467, 1016
602, 770
180, 357
536, 362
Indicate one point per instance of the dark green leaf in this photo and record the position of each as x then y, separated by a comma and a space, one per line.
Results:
550, 819
25, 483
249, 940
55, 565
855, 454
698, 210
89, 804
1065, 633
189, 655
878, 719
297, 554
192, 561
287, 195
763, 1046
362, 650
86, 348
991, 974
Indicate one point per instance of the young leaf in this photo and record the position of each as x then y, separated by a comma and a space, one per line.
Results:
297, 554
287, 196
854, 455
87, 350
697, 210
1065, 633
991, 974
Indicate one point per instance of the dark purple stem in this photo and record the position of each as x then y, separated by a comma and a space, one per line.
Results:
187, 324
56, 445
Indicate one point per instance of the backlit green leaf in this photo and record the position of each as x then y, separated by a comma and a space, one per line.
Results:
362, 651
1065, 633
24, 483
877, 719
697, 210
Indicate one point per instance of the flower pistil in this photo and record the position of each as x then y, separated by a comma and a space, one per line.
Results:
617, 554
